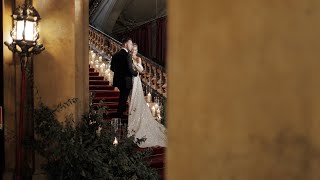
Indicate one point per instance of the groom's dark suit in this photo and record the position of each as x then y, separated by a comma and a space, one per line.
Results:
121, 65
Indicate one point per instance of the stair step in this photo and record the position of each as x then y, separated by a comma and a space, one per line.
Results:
100, 87
98, 82
110, 105
155, 150
93, 74
161, 173
96, 78
105, 93
114, 115
157, 162
105, 99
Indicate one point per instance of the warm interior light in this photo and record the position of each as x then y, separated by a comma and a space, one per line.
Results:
29, 30
25, 33
19, 30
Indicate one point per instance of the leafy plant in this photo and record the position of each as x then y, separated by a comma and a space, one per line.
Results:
83, 149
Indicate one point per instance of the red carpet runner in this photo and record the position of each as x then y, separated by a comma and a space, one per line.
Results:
104, 92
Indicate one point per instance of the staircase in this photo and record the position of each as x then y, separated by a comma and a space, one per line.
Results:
106, 93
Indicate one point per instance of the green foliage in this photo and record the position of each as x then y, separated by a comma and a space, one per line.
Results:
75, 150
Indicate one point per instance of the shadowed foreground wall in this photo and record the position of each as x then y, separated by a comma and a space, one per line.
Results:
60, 72
244, 90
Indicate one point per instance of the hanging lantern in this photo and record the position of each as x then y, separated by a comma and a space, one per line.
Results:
25, 33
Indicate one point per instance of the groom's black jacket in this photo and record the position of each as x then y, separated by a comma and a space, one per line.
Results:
121, 65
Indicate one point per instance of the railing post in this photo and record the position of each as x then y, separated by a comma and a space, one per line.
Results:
149, 75
159, 82
154, 78
164, 86
144, 67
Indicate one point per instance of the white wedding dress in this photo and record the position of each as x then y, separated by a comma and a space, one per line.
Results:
141, 123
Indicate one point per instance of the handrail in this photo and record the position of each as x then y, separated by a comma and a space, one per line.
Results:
119, 43
155, 75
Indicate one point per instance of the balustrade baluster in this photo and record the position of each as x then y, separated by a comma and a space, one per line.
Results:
160, 82
154, 78
149, 75
144, 64
164, 86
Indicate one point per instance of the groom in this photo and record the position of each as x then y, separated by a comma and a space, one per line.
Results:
121, 65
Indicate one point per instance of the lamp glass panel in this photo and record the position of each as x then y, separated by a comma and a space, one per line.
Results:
13, 32
19, 30
29, 31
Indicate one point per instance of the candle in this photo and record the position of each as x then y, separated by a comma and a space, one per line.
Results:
101, 70
148, 105
96, 65
115, 141
102, 66
93, 56
109, 76
158, 112
91, 63
156, 105
149, 97
100, 58
153, 111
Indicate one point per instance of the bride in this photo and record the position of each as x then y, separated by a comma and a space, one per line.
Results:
141, 123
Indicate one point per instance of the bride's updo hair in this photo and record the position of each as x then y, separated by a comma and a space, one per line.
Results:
135, 45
